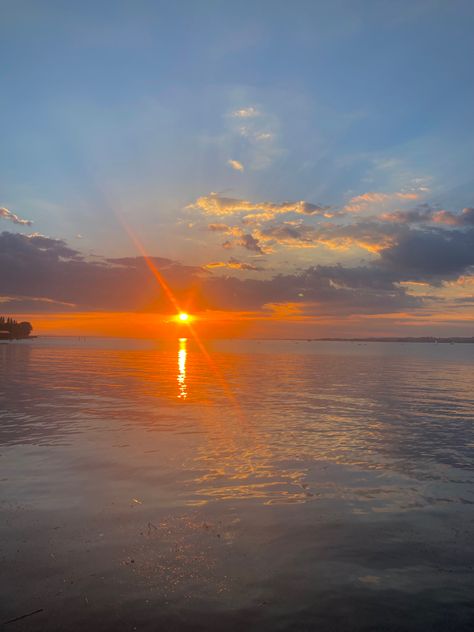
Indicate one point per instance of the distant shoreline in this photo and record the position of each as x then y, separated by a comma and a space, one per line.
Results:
425, 339
406, 339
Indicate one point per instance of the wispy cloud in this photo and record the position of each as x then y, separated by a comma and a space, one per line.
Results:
234, 264
235, 164
366, 201
6, 214
248, 112
257, 130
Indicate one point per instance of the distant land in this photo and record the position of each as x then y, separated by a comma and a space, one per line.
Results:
11, 329
431, 339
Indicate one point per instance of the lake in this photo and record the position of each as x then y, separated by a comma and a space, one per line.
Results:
259, 485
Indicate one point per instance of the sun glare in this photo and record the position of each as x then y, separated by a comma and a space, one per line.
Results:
183, 317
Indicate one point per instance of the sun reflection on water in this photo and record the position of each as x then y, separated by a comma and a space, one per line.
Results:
182, 354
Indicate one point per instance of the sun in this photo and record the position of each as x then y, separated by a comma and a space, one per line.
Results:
183, 317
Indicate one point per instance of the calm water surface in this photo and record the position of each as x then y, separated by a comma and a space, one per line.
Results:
263, 486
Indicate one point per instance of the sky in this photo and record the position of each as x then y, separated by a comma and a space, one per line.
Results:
287, 169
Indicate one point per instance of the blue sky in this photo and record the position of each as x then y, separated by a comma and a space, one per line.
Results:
141, 108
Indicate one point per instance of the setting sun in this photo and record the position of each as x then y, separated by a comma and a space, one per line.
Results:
183, 317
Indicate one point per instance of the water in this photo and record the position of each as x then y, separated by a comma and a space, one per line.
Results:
259, 485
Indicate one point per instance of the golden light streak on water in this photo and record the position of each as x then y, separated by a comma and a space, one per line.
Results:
187, 321
182, 354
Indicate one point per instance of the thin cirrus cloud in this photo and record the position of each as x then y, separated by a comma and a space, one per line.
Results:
236, 165
6, 214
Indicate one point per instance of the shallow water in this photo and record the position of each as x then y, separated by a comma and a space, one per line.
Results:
261, 485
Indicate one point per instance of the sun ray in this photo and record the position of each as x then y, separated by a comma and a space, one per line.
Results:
184, 317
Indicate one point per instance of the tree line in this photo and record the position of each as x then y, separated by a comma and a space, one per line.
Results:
12, 329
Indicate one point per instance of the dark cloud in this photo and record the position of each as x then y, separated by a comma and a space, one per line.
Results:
219, 228
331, 290
420, 214
43, 268
290, 233
249, 242
430, 255
465, 218
424, 214
52, 275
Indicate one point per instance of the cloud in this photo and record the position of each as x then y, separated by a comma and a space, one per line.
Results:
322, 289
425, 214
290, 234
41, 267
433, 255
50, 275
364, 201
421, 214
465, 218
248, 112
219, 206
370, 236
264, 136
235, 164
256, 133
234, 264
249, 242
6, 214
219, 228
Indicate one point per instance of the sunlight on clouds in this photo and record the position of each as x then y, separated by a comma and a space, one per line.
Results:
257, 132
366, 200
233, 264
6, 214
235, 164
249, 112
214, 204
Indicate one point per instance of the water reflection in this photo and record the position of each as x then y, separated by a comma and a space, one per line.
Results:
353, 470
182, 355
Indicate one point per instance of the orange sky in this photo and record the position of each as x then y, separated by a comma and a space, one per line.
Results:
281, 323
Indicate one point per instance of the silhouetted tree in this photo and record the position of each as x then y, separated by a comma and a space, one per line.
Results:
11, 329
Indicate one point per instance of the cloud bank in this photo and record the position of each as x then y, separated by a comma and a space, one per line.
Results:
46, 272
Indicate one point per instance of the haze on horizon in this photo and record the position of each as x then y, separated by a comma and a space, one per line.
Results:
290, 169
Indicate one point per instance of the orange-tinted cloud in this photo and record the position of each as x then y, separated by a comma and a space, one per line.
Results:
236, 165
217, 205
233, 264
6, 214
366, 200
